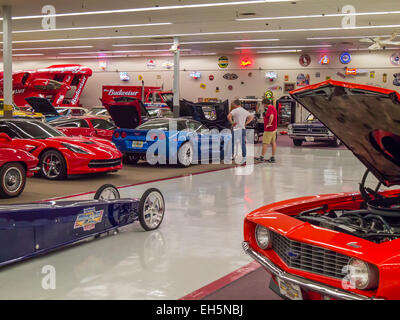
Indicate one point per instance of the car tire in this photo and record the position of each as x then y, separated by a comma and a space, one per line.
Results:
107, 192
151, 209
297, 143
52, 165
336, 143
12, 180
185, 154
130, 159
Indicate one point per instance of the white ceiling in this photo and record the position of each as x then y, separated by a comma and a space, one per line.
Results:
196, 20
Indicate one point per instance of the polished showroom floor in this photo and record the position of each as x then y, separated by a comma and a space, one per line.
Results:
199, 241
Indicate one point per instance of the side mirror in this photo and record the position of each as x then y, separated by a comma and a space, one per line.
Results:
5, 136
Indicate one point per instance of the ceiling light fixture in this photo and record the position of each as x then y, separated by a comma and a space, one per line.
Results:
186, 6
27, 54
193, 42
329, 15
120, 51
286, 47
208, 33
97, 27
345, 37
52, 48
279, 51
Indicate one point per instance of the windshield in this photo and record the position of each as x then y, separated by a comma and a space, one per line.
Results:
168, 97
34, 130
162, 125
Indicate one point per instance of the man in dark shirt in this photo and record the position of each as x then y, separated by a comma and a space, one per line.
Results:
270, 129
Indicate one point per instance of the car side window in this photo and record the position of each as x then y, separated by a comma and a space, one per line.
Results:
193, 125
102, 124
4, 128
72, 124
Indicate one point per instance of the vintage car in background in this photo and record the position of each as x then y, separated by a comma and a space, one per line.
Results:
159, 112
34, 229
60, 156
18, 113
135, 142
85, 126
311, 131
15, 166
99, 111
44, 107
345, 245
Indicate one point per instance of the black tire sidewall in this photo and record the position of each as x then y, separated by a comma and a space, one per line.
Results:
3, 191
141, 209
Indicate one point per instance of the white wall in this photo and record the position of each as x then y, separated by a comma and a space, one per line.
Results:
283, 64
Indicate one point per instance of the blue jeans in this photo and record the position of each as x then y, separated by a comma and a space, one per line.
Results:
239, 135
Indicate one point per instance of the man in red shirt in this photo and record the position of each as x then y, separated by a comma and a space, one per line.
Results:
270, 128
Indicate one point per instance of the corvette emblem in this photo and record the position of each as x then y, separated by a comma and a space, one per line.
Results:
88, 219
293, 254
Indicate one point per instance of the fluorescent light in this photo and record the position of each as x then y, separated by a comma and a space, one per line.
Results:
97, 27
193, 42
27, 54
329, 15
346, 37
286, 47
279, 51
120, 51
208, 33
128, 56
52, 48
176, 7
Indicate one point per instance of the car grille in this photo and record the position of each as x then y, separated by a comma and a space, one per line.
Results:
309, 258
104, 163
306, 130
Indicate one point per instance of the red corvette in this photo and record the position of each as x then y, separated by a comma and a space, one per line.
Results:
60, 156
15, 166
346, 245
85, 126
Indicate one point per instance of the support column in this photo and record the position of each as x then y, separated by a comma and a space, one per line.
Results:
176, 77
7, 62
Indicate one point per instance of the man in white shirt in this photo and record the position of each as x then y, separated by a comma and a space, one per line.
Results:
239, 118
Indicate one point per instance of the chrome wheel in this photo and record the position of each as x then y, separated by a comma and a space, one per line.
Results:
12, 179
151, 209
107, 192
52, 165
185, 154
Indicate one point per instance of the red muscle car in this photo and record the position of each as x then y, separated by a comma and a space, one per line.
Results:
59, 155
15, 166
346, 245
85, 126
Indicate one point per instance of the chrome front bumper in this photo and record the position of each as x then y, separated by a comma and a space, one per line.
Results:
302, 282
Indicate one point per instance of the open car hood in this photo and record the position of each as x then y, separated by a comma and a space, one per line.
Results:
126, 114
42, 105
366, 119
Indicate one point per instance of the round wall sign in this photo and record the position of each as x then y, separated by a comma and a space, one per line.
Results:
223, 62
211, 77
395, 58
345, 57
305, 60
230, 88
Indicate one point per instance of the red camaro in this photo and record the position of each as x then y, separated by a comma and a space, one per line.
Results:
59, 155
15, 166
85, 126
346, 245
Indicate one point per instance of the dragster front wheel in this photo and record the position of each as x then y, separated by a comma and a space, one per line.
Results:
107, 192
151, 209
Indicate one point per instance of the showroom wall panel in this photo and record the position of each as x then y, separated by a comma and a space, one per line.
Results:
244, 85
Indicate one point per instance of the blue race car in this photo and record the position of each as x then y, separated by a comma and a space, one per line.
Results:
28, 230
165, 140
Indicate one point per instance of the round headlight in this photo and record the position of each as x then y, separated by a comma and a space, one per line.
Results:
362, 275
263, 237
